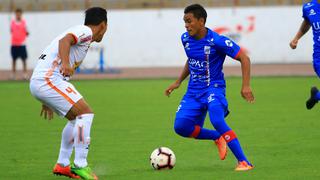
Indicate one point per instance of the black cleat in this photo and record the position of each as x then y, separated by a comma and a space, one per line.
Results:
312, 100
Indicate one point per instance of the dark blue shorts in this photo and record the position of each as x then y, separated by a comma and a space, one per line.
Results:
19, 52
195, 107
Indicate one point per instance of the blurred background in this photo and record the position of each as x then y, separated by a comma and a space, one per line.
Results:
142, 50
143, 39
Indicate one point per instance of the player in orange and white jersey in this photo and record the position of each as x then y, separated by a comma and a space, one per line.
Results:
49, 84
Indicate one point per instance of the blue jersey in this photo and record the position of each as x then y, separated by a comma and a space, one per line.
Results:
311, 13
205, 60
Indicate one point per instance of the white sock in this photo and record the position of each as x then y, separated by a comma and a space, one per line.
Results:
66, 144
82, 139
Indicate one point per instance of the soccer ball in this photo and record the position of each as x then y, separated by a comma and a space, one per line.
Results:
162, 158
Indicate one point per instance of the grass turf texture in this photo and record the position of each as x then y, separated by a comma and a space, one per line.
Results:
133, 117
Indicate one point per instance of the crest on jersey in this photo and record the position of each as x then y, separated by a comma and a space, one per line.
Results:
207, 49
312, 12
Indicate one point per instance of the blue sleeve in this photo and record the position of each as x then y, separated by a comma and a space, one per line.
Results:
304, 13
227, 46
183, 37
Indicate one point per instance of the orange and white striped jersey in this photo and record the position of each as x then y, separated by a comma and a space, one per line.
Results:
49, 62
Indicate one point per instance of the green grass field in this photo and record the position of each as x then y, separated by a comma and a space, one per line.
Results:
133, 117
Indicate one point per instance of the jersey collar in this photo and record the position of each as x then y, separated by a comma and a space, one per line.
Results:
208, 35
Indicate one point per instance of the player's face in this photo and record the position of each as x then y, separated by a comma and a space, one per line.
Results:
192, 24
103, 28
18, 15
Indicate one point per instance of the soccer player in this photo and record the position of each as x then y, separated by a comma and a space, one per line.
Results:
311, 17
50, 86
19, 33
206, 51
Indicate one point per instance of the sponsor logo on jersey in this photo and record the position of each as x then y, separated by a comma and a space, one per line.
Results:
88, 38
228, 43
316, 26
197, 63
312, 12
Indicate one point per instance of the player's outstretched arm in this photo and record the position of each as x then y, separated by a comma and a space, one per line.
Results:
304, 28
64, 50
246, 91
46, 112
185, 73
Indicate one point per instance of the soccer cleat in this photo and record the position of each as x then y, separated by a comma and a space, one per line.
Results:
84, 173
312, 100
64, 171
222, 147
243, 166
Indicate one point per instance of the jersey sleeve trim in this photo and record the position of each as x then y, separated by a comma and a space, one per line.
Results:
74, 37
237, 55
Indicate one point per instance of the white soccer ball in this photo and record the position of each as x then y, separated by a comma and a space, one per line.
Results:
162, 158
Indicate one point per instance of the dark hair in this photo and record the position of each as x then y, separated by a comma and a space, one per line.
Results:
18, 10
95, 15
197, 10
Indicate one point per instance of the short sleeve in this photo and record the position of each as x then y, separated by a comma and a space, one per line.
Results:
227, 46
184, 38
304, 14
81, 34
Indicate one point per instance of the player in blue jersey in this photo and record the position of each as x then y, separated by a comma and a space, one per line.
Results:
311, 17
206, 51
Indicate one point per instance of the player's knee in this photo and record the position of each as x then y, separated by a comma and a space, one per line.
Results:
181, 130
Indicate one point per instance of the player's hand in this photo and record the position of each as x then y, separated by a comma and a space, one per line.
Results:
247, 94
172, 87
46, 112
294, 43
66, 70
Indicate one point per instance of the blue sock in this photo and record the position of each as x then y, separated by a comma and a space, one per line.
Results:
217, 119
236, 149
318, 96
208, 134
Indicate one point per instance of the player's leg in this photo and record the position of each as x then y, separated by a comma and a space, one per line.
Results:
187, 126
84, 116
217, 114
314, 92
189, 120
66, 146
63, 164
13, 75
70, 140
189, 123
14, 59
24, 61
66, 101
24, 65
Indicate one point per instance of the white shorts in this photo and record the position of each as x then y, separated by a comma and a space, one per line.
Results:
55, 93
